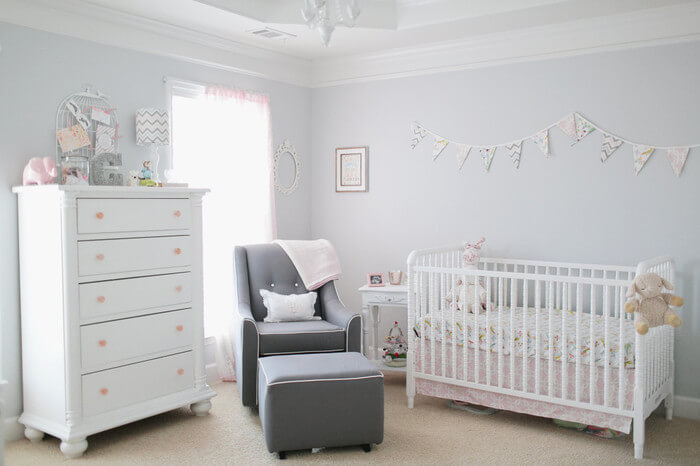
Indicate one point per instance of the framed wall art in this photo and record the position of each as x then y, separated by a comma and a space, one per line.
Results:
351, 169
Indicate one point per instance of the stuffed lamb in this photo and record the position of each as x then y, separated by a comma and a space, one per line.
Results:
652, 305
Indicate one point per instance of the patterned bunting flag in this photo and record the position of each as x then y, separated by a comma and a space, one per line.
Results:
462, 153
542, 141
583, 128
418, 133
487, 156
438, 146
568, 125
610, 145
514, 152
677, 156
641, 155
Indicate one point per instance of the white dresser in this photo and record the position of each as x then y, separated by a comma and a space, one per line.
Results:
111, 296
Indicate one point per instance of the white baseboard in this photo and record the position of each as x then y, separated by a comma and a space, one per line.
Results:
13, 429
687, 407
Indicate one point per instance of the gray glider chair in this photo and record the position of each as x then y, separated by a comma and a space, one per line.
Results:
267, 266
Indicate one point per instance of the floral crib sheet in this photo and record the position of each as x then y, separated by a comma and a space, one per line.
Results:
433, 324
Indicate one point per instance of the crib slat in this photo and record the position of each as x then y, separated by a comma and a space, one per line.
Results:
564, 342
513, 305
606, 345
435, 314
455, 331
591, 348
621, 379
550, 340
465, 342
499, 338
425, 310
537, 337
579, 305
526, 349
488, 331
475, 331
443, 279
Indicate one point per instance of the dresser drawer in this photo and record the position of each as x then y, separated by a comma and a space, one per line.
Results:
124, 340
128, 255
127, 385
134, 294
121, 215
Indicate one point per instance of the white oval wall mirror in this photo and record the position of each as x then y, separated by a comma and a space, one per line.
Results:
286, 168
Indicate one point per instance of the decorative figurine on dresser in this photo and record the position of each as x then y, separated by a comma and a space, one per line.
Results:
111, 298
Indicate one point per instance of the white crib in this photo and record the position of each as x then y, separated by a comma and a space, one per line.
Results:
557, 342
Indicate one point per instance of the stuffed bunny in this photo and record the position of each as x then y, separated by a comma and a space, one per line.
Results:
652, 305
464, 297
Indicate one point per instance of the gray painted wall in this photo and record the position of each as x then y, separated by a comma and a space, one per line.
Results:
567, 208
38, 69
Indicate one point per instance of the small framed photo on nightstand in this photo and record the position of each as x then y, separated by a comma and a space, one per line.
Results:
351, 169
375, 279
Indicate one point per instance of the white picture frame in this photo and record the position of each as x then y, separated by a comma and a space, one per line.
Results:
351, 169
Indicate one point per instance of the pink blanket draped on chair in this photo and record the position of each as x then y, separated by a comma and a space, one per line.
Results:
315, 260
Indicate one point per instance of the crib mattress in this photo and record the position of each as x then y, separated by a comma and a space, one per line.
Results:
438, 326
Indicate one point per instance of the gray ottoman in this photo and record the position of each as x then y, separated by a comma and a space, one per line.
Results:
320, 400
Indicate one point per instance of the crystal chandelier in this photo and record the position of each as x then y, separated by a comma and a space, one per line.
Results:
325, 15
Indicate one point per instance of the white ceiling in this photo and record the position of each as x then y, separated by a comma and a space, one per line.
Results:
382, 24
392, 37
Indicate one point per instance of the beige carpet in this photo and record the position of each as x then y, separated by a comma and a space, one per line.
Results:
431, 433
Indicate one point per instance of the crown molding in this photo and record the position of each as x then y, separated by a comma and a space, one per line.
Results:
656, 26
107, 26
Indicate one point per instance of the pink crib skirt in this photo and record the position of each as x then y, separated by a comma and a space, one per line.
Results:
525, 405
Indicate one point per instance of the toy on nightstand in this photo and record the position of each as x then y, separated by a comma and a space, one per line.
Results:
39, 171
395, 347
133, 178
146, 174
652, 305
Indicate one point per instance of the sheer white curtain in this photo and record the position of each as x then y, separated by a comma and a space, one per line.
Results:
222, 140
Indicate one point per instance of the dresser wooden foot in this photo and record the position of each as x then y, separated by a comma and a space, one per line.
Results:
33, 435
74, 448
201, 408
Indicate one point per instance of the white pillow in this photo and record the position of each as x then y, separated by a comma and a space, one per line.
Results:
290, 307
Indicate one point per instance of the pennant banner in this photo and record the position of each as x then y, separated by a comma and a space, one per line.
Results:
462, 153
514, 152
573, 125
568, 125
610, 145
438, 146
487, 156
418, 133
583, 128
677, 156
542, 141
641, 155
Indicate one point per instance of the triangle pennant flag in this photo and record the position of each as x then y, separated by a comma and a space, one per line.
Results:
677, 157
542, 141
583, 128
462, 153
641, 155
610, 145
417, 134
438, 146
487, 156
568, 125
514, 152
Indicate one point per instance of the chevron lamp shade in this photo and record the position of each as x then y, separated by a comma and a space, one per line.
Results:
152, 127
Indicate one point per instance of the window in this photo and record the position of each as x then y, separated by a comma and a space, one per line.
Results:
221, 141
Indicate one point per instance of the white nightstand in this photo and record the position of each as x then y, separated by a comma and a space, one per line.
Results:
374, 298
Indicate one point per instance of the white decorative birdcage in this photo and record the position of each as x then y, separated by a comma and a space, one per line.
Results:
96, 129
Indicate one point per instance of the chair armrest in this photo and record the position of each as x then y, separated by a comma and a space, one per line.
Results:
246, 343
337, 314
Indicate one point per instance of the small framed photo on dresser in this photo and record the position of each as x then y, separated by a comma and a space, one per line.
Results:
351, 169
375, 279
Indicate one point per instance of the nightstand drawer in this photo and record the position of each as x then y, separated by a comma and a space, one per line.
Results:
134, 294
116, 388
122, 215
126, 340
135, 254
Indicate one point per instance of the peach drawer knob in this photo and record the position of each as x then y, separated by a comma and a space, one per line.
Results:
178, 288
180, 371
178, 251
100, 257
179, 328
100, 299
177, 213
102, 342
100, 215
104, 391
